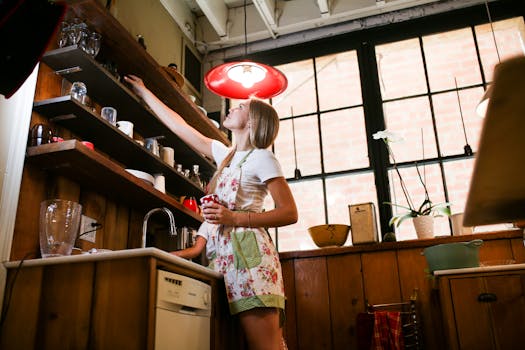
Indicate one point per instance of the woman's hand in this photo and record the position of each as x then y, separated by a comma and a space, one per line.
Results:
136, 83
215, 213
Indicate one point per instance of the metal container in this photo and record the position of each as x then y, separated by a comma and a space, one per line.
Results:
363, 222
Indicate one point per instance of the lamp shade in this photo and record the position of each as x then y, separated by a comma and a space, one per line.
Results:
245, 79
481, 109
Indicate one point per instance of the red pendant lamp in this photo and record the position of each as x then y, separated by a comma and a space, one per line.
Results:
245, 79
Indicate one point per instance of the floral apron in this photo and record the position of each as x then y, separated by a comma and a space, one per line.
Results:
245, 256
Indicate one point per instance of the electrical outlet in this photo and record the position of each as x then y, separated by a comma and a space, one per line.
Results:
88, 224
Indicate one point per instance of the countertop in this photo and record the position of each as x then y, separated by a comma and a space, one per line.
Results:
481, 269
114, 255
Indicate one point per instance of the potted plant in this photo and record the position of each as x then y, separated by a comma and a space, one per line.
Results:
423, 214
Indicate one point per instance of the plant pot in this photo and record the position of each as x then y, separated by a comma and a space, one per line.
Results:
424, 226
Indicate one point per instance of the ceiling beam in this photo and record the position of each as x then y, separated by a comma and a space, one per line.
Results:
324, 8
217, 13
182, 16
266, 9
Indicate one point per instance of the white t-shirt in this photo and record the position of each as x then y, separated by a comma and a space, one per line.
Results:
260, 166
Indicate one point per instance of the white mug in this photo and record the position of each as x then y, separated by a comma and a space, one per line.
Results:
457, 225
126, 127
168, 155
110, 114
160, 182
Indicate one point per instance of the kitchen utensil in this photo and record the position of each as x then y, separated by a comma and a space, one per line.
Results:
148, 178
453, 255
79, 91
109, 114
210, 198
152, 144
168, 155
191, 204
329, 235
126, 127
457, 225
59, 224
160, 182
40, 134
89, 145
364, 223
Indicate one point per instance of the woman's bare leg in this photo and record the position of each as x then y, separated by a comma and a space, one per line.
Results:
261, 327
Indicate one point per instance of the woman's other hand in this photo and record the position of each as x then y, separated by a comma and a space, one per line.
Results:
136, 84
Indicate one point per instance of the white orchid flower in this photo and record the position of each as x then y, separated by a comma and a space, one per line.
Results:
387, 136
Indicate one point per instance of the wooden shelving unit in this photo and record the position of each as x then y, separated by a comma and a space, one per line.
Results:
69, 113
108, 91
74, 160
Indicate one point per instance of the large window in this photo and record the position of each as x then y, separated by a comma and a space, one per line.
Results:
422, 87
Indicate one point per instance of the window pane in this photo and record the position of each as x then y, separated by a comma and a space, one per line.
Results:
451, 55
509, 35
400, 68
307, 144
338, 80
448, 120
458, 175
341, 191
344, 140
407, 118
431, 176
309, 199
300, 93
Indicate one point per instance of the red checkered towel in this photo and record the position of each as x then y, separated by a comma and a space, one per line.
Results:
387, 331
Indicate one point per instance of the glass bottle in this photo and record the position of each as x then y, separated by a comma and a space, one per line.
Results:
195, 176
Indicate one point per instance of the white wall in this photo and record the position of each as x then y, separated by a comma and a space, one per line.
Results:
15, 116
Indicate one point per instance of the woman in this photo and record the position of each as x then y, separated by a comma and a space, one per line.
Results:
237, 244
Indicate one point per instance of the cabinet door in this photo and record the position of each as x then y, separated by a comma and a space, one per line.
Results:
312, 304
496, 323
473, 323
508, 312
346, 298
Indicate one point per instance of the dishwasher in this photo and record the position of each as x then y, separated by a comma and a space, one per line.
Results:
183, 313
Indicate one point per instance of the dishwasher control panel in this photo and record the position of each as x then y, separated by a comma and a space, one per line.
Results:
181, 293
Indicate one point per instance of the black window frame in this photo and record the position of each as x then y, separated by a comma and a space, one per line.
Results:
364, 42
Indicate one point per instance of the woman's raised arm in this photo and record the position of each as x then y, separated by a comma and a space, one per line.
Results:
170, 118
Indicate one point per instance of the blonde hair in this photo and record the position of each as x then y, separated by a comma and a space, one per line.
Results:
264, 126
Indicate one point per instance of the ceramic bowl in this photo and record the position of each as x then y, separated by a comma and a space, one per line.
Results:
148, 178
329, 235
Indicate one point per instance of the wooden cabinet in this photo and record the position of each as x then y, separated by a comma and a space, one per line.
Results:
484, 310
327, 288
92, 302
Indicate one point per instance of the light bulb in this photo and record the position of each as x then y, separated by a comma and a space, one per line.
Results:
247, 73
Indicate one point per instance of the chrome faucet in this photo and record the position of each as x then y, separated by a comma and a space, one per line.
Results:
173, 228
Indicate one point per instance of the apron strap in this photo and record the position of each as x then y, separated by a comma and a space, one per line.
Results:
241, 162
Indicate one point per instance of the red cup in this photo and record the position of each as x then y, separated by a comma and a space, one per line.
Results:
191, 204
210, 198
88, 145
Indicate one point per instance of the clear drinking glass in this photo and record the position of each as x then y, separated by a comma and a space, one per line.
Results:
109, 114
63, 34
76, 31
93, 45
79, 91
59, 224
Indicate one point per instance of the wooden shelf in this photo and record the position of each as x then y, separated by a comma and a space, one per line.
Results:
121, 47
108, 91
67, 112
94, 170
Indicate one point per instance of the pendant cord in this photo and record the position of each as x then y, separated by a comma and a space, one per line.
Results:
492, 30
293, 134
245, 32
461, 111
